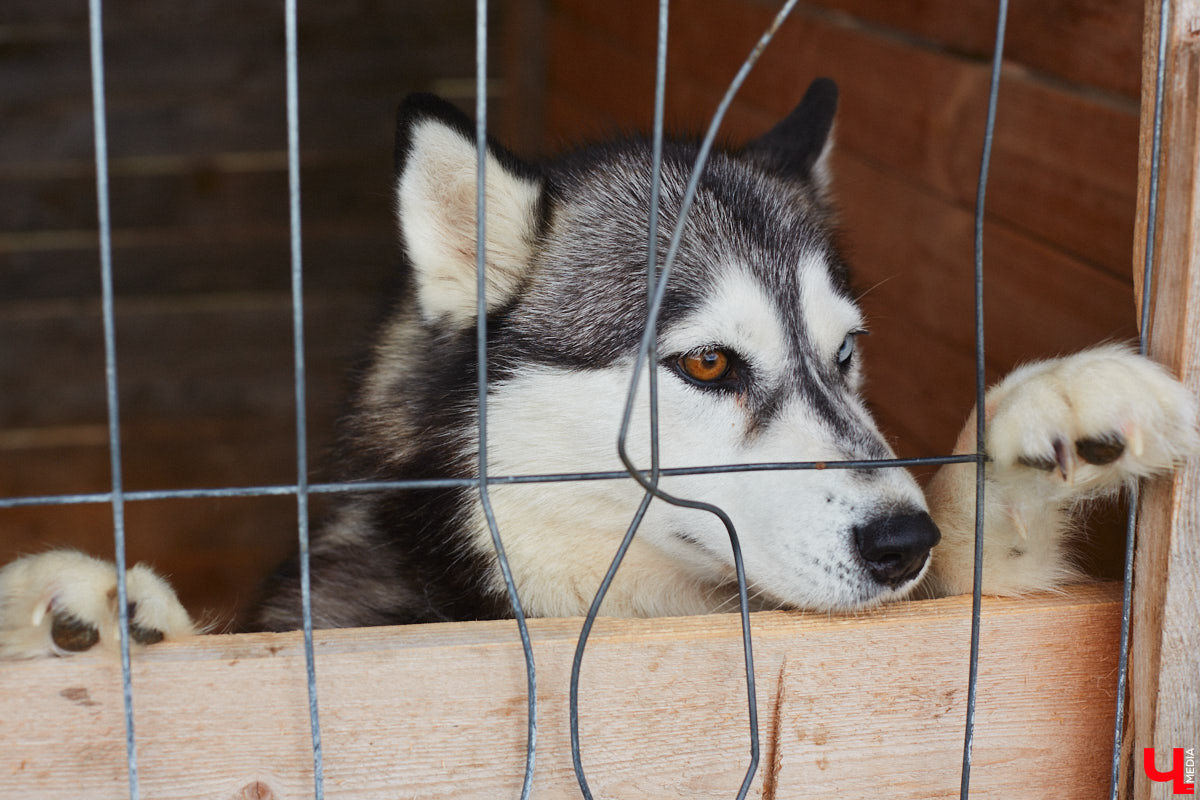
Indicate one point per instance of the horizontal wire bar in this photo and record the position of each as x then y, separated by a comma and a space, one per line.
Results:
288, 490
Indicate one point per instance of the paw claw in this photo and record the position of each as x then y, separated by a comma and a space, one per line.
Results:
1063, 459
73, 635
142, 634
145, 635
1100, 451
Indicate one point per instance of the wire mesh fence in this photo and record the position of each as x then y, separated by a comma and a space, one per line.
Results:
647, 476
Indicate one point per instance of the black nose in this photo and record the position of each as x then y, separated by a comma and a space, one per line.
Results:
895, 547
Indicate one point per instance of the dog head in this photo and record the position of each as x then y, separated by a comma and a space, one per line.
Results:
756, 362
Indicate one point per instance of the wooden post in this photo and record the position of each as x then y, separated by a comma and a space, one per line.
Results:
1165, 655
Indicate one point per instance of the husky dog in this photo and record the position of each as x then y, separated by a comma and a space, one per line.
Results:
757, 363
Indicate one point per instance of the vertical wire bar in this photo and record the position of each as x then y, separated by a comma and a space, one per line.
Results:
99, 125
980, 390
293, 134
581, 644
648, 336
1164, 14
651, 487
481, 8
660, 82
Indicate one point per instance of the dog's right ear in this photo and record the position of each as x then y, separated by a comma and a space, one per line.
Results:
800, 144
436, 201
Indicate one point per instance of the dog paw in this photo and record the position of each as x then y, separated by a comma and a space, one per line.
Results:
1058, 433
65, 602
1084, 425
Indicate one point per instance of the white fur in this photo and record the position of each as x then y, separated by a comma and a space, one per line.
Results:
436, 195
739, 315
795, 528
830, 315
561, 537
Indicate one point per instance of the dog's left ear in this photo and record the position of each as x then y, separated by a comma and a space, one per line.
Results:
436, 200
799, 145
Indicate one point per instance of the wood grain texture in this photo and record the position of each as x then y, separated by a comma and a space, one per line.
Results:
188, 357
207, 77
911, 253
1165, 661
167, 263
852, 706
1082, 41
1064, 168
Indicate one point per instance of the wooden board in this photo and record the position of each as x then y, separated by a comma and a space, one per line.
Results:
1087, 42
1165, 661
191, 357
1084, 42
912, 253
233, 190
849, 704
169, 263
1064, 165
208, 77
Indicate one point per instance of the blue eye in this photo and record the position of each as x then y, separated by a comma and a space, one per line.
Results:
845, 354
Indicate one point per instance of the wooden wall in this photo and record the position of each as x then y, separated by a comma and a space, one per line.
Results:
198, 180
196, 107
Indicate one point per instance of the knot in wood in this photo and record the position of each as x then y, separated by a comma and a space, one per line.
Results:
257, 790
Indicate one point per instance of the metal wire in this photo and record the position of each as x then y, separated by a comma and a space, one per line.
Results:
468, 483
652, 271
980, 389
652, 276
481, 385
1164, 15
293, 135
116, 498
651, 486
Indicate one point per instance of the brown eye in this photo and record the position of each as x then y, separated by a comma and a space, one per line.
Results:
705, 366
